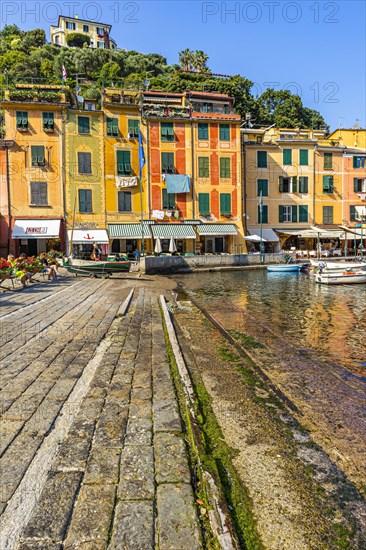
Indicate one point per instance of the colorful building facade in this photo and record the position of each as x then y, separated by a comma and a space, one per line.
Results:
34, 126
98, 33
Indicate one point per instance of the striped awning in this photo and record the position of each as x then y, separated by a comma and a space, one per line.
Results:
217, 229
175, 230
129, 230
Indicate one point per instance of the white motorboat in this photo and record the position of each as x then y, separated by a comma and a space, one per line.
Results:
334, 273
336, 266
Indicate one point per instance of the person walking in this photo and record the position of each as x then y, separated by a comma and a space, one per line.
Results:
136, 255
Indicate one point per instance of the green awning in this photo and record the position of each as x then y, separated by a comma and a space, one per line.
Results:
208, 229
175, 230
129, 231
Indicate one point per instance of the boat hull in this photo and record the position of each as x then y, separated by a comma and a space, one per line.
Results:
99, 269
341, 278
284, 268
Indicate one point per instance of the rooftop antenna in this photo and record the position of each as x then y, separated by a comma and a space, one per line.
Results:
341, 119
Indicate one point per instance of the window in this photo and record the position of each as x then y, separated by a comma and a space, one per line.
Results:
48, 121
38, 158
262, 159
287, 214
203, 167
359, 162
328, 161
167, 131
224, 168
303, 213
304, 157
100, 31
168, 200
202, 130
100, 44
225, 204
287, 157
352, 213
327, 184
85, 200
112, 127
303, 184
287, 185
124, 163
70, 25
204, 203
224, 132
38, 191
327, 215
83, 125
133, 128
167, 163
359, 185
264, 213
124, 201
89, 105
262, 187
84, 163
22, 120
85, 28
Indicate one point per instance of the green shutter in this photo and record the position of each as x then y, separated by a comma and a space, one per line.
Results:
262, 186
167, 162
304, 157
355, 162
204, 203
83, 125
328, 215
262, 159
37, 153
48, 121
264, 213
124, 163
352, 213
133, 128
84, 163
167, 131
168, 199
357, 185
303, 213
124, 201
225, 203
327, 184
303, 184
287, 156
294, 214
224, 168
203, 167
112, 127
280, 184
202, 130
280, 213
85, 200
22, 120
294, 184
224, 132
328, 161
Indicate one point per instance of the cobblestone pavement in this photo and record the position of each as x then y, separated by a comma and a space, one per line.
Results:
91, 450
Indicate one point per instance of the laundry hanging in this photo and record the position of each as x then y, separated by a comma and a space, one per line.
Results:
177, 183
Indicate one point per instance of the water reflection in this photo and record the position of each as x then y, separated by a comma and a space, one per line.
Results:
277, 306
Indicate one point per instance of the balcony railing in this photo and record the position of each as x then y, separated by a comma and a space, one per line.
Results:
165, 111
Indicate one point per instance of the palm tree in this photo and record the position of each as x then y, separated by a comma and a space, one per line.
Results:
200, 61
186, 59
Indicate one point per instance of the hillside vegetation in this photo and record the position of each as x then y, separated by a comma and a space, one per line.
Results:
26, 55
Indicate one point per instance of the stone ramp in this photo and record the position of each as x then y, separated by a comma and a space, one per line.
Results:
103, 463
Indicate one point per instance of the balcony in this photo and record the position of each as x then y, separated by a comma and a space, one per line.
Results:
35, 94
165, 111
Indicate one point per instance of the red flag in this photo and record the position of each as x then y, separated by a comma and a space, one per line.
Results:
64, 73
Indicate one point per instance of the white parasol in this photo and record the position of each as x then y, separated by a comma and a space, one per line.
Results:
157, 248
172, 246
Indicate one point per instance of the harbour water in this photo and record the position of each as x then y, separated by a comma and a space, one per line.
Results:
290, 309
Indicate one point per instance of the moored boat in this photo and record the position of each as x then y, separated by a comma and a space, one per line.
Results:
278, 268
334, 277
96, 268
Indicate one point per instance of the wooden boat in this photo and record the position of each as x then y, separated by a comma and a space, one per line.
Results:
279, 268
96, 268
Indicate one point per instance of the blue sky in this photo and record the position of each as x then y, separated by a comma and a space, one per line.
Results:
315, 48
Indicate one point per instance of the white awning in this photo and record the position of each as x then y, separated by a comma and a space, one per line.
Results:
318, 233
36, 229
80, 236
353, 232
255, 239
267, 234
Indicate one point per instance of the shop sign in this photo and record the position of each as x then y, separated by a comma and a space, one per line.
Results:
36, 230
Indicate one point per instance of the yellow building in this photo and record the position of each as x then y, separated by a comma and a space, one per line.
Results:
98, 33
279, 164
84, 182
35, 124
328, 189
349, 137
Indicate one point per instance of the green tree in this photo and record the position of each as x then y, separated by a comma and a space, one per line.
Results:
199, 61
35, 38
77, 40
185, 59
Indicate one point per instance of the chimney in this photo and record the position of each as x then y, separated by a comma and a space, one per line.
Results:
76, 16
